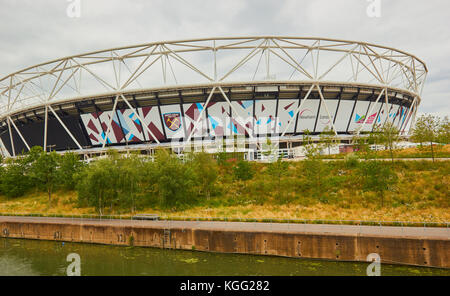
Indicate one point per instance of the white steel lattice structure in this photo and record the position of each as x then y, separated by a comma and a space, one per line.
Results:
207, 88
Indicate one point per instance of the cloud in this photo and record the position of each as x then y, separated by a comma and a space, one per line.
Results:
36, 31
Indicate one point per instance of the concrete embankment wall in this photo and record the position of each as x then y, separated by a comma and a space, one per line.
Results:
396, 250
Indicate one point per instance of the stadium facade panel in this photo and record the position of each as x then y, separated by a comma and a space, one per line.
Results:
63, 105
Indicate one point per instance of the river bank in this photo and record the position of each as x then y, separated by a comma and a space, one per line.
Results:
21, 257
399, 245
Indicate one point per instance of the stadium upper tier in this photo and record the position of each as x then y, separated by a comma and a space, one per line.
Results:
208, 88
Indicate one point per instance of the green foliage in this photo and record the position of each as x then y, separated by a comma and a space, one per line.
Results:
312, 150
69, 166
243, 171
44, 170
41, 170
277, 170
97, 185
175, 180
444, 131
222, 158
328, 138
207, 172
361, 145
378, 177
130, 181
351, 160
14, 181
428, 129
316, 173
387, 135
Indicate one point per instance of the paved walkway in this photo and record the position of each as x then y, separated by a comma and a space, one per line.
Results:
351, 230
395, 159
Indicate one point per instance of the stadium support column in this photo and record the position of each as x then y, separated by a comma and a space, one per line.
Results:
408, 116
200, 115
386, 96
139, 117
11, 138
370, 111
238, 119
65, 128
105, 139
4, 151
413, 121
45, 128
326, 108
298, 109
20, 134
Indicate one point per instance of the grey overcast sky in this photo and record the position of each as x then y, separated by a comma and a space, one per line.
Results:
37, 31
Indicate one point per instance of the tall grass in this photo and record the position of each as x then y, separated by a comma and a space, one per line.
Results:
421, 193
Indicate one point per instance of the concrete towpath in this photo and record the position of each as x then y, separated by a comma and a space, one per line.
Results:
442, 233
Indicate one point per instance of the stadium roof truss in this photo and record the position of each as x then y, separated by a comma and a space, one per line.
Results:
211, 62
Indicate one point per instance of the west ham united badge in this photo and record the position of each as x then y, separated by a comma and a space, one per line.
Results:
172, 121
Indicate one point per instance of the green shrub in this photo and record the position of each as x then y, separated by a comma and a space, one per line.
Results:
243, 171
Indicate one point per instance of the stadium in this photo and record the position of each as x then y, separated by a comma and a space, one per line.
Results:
179, 93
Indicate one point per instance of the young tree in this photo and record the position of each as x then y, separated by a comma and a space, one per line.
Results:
243, 171
277, 170
271, 149
444, 131
97, 184
14, 181
129, 183
378, 177
207, 171
175, 180
45, 171
316, 173
314, 168
69, 166
387, 135
328, 138
312, 150
426, 129
361, 145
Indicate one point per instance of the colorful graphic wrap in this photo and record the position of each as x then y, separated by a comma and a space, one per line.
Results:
219, 119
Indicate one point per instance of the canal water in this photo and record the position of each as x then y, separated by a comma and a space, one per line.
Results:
33, 257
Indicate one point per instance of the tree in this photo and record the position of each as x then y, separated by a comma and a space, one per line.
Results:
387, 135
270, 149
97, 184
243, 171
328, 138
277, 169
44, 170
361, 145
315, 170
129, 183
69, 166
312, 150
444, 131
378, 177
207, 171
14, 181
175, 180
427, 129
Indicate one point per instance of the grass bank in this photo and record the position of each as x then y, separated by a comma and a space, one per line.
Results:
418, 152
421, 194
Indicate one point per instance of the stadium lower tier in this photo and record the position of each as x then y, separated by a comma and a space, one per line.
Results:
271, 115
